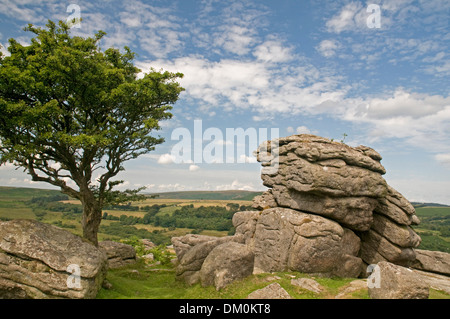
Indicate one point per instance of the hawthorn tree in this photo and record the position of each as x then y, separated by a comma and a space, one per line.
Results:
72, 114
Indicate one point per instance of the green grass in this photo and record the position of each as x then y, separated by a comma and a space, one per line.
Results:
140, 281
147, 282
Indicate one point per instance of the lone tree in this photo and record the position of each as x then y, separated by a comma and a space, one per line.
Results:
71, 114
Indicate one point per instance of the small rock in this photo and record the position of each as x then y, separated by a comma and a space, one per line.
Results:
308, 284
272, 291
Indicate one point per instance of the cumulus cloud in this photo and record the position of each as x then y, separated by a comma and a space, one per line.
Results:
166, 159
421, 119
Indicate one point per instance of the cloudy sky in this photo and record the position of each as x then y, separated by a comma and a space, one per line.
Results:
376, 71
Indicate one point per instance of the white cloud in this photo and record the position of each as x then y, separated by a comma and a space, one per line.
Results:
328, 48
193, 168
273, 51
303, 130
236, 185
349, 18
420, 119
254, 84
443, 158
166, 159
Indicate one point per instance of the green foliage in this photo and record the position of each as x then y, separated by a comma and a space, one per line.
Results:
161, 254
211, 217
125, 231
434, 228
137, 244
52, 203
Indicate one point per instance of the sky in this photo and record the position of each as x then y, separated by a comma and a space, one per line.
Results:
372, 73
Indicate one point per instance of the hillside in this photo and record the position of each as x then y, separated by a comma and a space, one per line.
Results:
209, 195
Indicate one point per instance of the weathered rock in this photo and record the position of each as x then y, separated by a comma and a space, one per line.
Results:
264, 201
308, 284
432, 261
397, 282
118, 254
401, 235
272, 291
43, 261
376, 248
352, 212
434, 280
192, 261
182, 244
226, 263
327, 178
330, 180
397, 208
245, 225
290, 240
327, 211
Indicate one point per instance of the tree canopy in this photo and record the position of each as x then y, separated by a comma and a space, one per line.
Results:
70, 111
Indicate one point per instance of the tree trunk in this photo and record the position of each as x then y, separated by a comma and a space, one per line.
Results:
92, 216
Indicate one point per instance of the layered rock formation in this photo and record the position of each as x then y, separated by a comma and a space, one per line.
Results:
43, 261
328, 211
343, 184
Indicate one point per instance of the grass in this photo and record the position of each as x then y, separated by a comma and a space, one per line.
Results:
141, 281
159, 282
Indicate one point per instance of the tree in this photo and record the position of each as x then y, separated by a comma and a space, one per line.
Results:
68, 111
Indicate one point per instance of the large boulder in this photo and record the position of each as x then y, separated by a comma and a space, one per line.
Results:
286, 239
397, 282
192, 260
182, 244
43, 261
226, 263
119, 254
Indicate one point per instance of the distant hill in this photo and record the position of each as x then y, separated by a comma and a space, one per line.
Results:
210, 195
418, 204
23, 193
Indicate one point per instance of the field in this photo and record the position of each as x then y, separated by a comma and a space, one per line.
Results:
15, 203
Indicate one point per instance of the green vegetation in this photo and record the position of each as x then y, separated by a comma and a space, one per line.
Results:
434, 227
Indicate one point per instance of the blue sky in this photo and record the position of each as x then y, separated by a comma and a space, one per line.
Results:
320, 67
